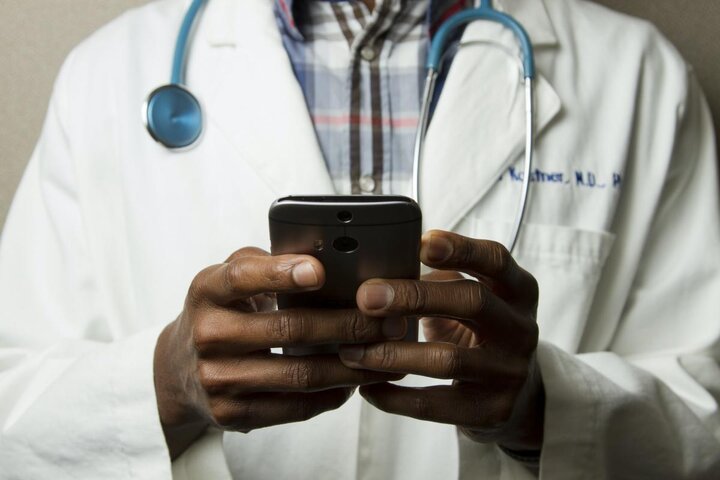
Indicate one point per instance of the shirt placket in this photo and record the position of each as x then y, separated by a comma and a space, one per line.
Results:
368, 127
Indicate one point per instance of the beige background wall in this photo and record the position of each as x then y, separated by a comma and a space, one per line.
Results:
35, 36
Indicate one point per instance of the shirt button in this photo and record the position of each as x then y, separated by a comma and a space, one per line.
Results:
367, 184
368, 53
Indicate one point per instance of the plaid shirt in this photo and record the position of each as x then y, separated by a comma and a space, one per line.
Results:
362, 74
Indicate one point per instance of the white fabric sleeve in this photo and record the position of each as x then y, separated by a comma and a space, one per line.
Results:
77, 396
648, 407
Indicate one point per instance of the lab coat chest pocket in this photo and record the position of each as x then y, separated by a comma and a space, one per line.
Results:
567, 263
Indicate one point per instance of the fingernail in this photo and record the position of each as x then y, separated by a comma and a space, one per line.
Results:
378, 296
394, 327
304, 275
439, 249
352, 353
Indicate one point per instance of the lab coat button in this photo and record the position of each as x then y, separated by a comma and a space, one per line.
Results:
368, 53
367, 184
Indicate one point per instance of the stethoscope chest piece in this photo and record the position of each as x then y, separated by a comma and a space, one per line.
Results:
173, 116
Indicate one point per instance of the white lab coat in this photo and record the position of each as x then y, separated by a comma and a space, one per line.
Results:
108, 229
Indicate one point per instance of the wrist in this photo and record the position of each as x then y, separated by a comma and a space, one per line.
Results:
525, 433
182, 424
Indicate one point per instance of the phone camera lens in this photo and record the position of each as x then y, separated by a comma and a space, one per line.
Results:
345, 244
345, 216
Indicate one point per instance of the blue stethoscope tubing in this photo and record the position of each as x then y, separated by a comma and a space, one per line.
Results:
173, 116
484, 11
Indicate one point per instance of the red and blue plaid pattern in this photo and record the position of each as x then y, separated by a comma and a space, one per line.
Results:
362, 75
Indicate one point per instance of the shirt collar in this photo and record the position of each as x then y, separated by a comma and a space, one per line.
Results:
221, 17
287, 13
290, 13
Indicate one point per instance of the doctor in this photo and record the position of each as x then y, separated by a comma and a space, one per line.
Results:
622, 242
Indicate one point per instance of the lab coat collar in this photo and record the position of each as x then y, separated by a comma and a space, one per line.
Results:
222, 18
467, 149
270, 128
533, 16
267, 121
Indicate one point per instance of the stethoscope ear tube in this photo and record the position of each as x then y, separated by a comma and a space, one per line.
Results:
529, 149
484, 12
435, 56
418, 156
423, 123
173, 115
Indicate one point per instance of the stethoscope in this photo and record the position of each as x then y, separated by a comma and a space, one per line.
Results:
173, 115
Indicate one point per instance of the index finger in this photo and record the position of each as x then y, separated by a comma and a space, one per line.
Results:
247, 276
479, 258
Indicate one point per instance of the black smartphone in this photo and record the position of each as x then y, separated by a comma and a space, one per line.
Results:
355, 237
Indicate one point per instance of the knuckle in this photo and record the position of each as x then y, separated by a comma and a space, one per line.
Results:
416, 297
477, 294
278, 329
518, 379
277, 273
385, 355
500, 257
246, 252
478, 408
195, 295
237, 255
515, 377
446, 361
358, 328
231, 415
299, 374
526, 342
298, 328
467, 251
203, 336
272, 275
208, 334
289, 327
233, 275
196, 292
208, 377
353, 327
533, 285
503, 410
533, 290
422, 407
222, 416
533, 337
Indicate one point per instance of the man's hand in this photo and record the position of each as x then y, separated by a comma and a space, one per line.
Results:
213, 365
482, 334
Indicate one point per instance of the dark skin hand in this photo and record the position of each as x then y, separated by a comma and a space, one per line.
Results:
481, 333
213, 365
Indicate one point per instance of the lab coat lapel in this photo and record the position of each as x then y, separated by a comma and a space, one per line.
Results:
478, 128
258, 104
476, 132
